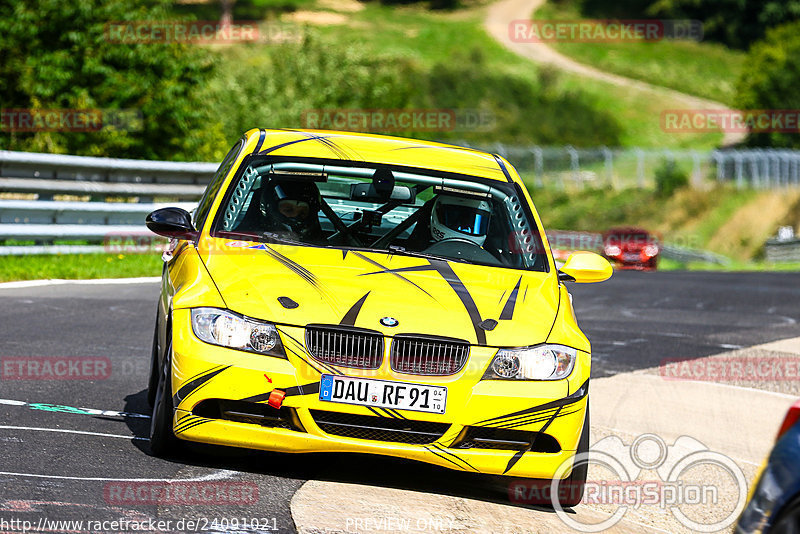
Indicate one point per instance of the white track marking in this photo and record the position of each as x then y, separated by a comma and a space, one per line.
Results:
66, 431
87, 411
222, 474
98, 281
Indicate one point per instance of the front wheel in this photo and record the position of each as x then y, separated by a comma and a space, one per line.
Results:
162, 438
570, 489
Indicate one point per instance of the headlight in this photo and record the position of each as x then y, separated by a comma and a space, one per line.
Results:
227, 329
613, 250
543, 362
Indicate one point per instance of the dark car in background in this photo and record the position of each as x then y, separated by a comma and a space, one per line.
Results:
630, 247
774, 503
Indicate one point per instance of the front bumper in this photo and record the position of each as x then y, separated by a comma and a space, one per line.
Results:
202, 372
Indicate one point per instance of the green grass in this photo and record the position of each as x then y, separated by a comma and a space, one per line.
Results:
79, 266
666, 264
703, 69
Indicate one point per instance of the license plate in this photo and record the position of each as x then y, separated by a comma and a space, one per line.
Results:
631, 257
382, 393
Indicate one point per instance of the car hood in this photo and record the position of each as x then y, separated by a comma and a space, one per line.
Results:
299, 285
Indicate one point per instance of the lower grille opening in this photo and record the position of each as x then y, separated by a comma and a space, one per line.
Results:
379, 428
249, 412
476, 437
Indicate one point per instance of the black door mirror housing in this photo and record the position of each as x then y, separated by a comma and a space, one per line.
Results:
172, 223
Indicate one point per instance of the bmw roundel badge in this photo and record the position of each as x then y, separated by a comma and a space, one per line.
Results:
390, 322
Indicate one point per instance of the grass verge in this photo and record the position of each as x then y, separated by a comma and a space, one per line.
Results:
79, 266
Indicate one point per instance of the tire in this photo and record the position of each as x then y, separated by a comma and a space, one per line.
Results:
152, 382
570, 490
163, 442
788, 520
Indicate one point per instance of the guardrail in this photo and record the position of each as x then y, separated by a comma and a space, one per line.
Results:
121, 192
783, 250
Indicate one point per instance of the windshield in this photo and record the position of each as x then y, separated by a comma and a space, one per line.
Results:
382, 209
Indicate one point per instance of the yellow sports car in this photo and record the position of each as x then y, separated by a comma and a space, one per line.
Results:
357, 293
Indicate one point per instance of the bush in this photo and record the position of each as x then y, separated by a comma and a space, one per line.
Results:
770, 79
54, 54
669, 178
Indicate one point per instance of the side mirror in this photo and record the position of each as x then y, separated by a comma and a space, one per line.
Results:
171, 222
585, 268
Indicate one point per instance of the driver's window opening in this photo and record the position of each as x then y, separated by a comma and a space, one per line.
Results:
381, 209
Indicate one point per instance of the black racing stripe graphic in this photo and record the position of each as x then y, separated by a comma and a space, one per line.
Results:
502, 167
501, 296
580, 393
401, 270
350, 317
196, 423
397, 413
344, 254
282, 145
325, 366
187, 422
508, 310
520, 423
457, 457
295, 267
446, 272
261, 136
190, 387
443, 457
518, 455
394, 272
373, 410
545, 414
525, 294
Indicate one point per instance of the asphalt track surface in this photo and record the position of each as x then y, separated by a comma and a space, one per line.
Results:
67, 444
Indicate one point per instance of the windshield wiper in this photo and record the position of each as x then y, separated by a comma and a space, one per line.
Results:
272, 237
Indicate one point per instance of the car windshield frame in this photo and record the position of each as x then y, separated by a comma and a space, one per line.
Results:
533, 254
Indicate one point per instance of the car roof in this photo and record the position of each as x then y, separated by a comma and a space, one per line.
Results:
381, 149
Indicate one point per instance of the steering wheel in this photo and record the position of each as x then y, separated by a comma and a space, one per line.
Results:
453, 247
447, 240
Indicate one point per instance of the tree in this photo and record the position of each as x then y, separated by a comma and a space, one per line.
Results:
58, 54
769, 81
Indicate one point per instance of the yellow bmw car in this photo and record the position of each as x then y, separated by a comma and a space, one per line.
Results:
340, 292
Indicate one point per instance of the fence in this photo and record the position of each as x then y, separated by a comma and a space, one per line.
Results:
577, 168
